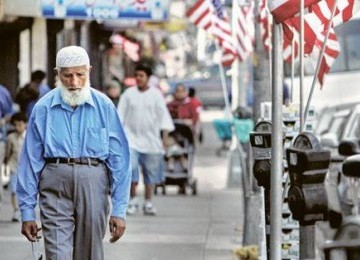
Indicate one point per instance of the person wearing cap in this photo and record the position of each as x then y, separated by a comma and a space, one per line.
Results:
75, 154
144, 114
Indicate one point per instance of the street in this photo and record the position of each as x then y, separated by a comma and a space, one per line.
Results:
207, 226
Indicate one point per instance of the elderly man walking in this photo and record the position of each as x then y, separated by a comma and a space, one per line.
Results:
75, 153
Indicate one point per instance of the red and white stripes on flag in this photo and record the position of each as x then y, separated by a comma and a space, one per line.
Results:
209, 15
265, 20
284, 9
244, 29
316, 23
200, 14
332, 50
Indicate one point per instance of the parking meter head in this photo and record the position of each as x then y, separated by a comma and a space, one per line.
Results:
260, 140
349, 147
308, 164
351, 166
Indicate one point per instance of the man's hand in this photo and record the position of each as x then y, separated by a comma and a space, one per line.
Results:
117, 228
30, 230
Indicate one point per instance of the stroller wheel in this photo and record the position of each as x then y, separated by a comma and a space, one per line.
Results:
182, 189
163, 189
194, 188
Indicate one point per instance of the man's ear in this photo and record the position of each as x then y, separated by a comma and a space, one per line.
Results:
56, 71
90, 68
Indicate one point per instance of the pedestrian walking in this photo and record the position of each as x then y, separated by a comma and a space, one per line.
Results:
75, 153
14, 143
5, 114
144, 115
113, 91
181, 108
196, 102
32, 92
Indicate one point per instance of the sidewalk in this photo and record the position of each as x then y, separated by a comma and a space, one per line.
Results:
207, 226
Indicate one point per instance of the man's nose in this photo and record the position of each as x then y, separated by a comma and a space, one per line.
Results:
75, 81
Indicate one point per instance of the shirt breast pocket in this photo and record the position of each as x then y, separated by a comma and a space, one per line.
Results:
97, 143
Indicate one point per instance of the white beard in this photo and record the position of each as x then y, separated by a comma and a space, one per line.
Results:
75, 97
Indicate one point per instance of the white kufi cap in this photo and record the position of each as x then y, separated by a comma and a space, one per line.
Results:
72, 56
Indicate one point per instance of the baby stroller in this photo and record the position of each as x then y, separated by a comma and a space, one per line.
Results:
178, 160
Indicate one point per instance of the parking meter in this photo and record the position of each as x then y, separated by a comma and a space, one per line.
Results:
348, 147
308, 164
260, 140
346, 243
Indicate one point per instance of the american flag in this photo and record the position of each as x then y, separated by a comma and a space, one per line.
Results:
284, 9
316, 23
266, 22
210, 16
244, 29
200, 14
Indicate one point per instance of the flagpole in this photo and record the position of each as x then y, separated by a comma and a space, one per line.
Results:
235, 86
292, 68
224, 86
301, 109
320, 58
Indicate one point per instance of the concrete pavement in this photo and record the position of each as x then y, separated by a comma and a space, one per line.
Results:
207, 226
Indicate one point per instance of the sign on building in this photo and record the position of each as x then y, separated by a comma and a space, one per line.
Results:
156, 10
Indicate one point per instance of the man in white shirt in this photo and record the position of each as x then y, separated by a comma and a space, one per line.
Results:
144, 115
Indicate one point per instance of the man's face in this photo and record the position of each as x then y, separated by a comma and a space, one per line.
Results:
142, 79
74, 78
75, 85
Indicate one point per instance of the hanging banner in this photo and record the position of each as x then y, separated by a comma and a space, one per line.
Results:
153, 10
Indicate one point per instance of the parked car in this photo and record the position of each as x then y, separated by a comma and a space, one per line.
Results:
207, 84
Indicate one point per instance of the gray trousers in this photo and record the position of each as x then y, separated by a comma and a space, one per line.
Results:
74, 207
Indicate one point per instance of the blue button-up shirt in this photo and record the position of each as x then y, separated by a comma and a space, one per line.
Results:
5, 102
56, 130
5, 109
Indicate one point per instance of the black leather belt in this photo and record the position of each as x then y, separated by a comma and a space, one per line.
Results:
72, 161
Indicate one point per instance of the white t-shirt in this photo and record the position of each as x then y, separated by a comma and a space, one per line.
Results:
143, 115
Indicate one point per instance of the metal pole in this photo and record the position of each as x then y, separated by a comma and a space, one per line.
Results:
235, 90
277, 146
292, 69
301, 109
307, 242
320, 58
224, 87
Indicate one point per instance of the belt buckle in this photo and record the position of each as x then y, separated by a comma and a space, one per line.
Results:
71, 161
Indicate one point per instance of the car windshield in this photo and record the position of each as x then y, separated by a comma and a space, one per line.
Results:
337, 126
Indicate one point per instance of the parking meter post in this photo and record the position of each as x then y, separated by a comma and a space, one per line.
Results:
307, 241
308, 164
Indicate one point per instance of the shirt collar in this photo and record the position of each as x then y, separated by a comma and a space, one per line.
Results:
57, 100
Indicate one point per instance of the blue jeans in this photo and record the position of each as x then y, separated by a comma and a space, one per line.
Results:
150, 165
